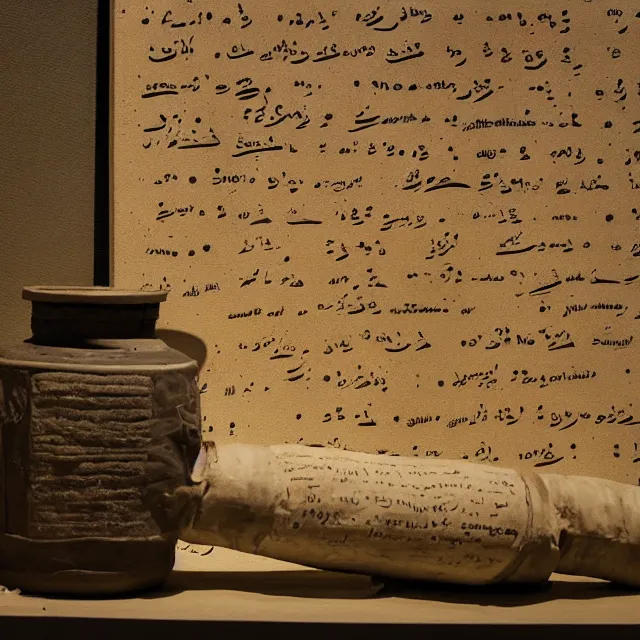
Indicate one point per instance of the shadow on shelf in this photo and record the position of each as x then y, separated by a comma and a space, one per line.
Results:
310, 583
505, 595
333, 585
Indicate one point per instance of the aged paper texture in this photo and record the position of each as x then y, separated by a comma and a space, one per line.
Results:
400, 228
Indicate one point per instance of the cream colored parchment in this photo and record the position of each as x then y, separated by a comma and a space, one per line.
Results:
407, 228
442, 520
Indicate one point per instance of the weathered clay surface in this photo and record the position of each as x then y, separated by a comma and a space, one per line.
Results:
96, 434
89, 440
409, 518
95, 457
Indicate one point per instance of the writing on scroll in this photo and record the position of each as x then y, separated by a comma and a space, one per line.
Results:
402, 228
461, 508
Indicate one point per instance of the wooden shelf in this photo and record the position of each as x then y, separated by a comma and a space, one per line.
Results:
228, 587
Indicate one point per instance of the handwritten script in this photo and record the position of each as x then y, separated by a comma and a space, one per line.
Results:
403, 228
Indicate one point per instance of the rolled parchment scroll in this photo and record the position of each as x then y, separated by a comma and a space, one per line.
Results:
437, 520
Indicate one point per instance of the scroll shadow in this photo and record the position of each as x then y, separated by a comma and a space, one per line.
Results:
300, 584
187, 343
505, 595
333, 585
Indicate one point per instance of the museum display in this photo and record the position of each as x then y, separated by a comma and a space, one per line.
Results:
103, 468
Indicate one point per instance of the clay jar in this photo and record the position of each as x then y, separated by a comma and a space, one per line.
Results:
99, 425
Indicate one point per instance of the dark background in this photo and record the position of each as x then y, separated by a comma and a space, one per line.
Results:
54, 150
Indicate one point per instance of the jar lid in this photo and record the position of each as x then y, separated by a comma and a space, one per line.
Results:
92, 295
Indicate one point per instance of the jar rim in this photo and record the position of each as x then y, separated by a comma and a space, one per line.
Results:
92, 295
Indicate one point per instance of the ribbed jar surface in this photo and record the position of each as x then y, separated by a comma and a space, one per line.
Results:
99, 424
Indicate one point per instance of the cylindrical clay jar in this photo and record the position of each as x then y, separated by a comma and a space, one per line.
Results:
99, 425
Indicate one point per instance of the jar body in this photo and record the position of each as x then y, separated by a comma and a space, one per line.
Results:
94, 441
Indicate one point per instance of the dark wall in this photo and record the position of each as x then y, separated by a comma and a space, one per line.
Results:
48, 55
